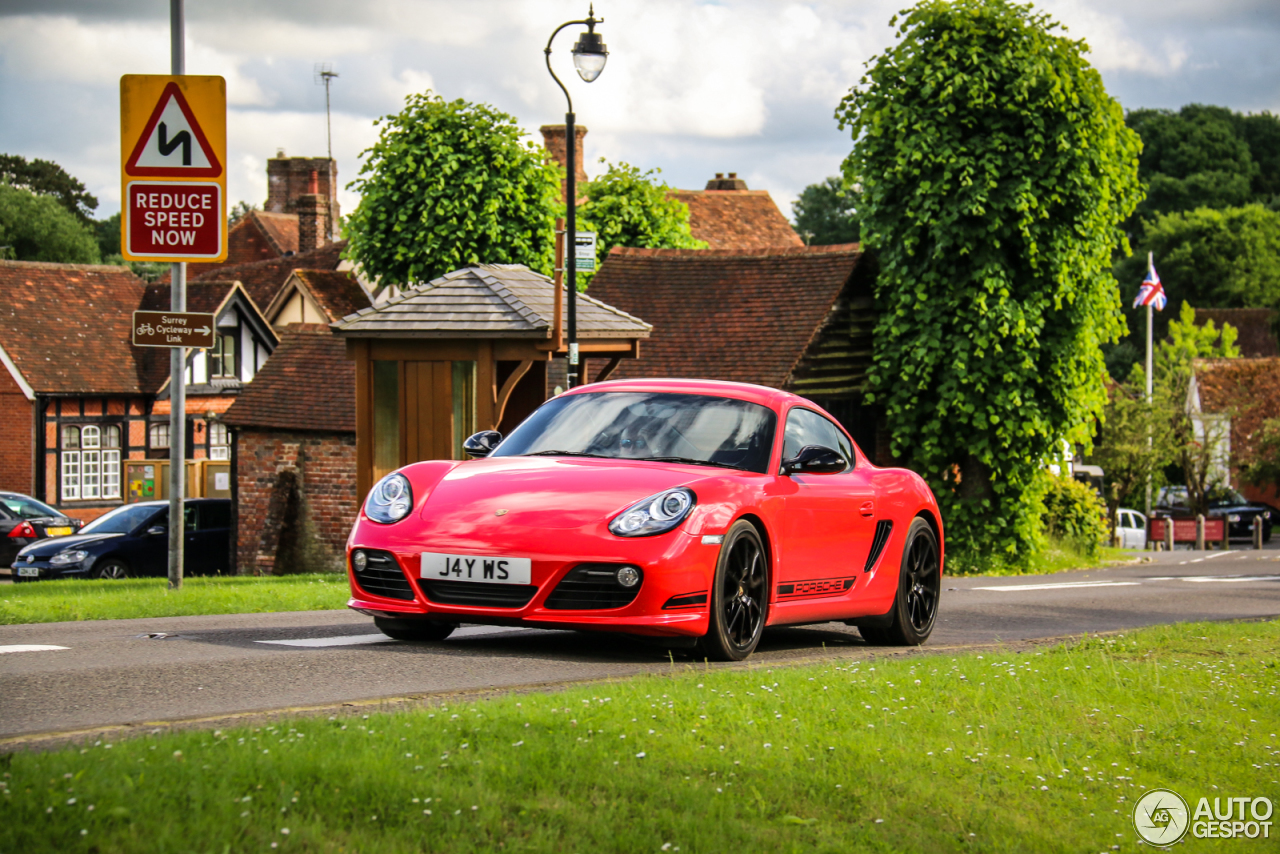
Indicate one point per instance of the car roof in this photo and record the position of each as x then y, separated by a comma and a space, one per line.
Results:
763, 395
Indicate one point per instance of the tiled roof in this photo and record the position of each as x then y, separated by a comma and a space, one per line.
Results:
281, 229
337, 291
1256, 327
307, 384
487, 301
263, 279
723, 314
737, 219
202, 296
67, 328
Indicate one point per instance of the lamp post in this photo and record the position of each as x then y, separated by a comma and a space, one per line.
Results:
589, 56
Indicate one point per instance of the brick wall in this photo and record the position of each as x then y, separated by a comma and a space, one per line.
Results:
296, 500
288, 178
15, 436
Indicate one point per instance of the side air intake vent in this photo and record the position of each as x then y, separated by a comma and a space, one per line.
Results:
381, 576
883, 528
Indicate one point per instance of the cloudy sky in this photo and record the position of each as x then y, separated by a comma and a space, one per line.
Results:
692, 86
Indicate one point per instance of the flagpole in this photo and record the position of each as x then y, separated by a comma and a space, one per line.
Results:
1150, 266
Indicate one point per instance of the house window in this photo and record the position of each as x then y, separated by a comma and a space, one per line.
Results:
160, 435
90, 462
111, 461
222, 358
70, 463
219, 442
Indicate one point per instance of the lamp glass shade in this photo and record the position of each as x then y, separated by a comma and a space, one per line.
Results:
589, 56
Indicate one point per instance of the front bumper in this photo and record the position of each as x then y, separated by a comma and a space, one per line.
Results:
677, 571
46, 572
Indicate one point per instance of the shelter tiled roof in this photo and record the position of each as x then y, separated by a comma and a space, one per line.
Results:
264, 279
746, 316
1257, 338
307, 384
737, 219
67, 328
487, 301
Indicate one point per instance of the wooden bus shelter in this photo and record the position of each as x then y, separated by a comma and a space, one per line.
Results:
466, 352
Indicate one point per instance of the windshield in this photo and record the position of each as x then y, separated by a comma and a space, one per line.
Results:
121, 520
629, 425
27, 508
1226, 497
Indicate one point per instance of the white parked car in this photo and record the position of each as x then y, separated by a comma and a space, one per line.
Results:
1131, 528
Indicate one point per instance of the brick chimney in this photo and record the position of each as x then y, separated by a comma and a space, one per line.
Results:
312, 208
553, 140
733, 182
290, 178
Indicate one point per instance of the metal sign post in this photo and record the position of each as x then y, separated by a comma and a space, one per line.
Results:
173, 151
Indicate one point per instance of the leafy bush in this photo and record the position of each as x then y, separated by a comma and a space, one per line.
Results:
1075, 514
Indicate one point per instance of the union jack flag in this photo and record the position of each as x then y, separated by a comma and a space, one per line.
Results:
1152, 292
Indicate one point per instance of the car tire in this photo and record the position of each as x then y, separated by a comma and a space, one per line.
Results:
113, 568
414, 630
915, 607
739, 596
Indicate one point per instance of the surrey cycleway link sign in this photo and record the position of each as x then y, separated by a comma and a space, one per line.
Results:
173, 329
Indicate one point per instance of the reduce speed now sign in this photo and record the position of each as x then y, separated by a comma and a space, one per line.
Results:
173, 146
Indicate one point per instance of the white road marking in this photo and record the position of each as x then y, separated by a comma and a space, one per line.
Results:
1205, 578
30, 647
1061, 586
356, 640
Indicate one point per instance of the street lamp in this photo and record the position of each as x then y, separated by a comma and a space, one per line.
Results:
589, 56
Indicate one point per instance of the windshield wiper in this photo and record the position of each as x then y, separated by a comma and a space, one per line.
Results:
565, 454
690, 461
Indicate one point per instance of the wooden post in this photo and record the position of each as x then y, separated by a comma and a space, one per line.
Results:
1199, 532
1226, 534
1168, 533
1257, 532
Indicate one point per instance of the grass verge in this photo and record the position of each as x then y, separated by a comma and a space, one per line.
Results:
85, 599
1057, 556
1039, 751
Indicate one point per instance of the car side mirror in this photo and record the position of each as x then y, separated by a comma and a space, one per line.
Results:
157, 531
482, 444
815, 459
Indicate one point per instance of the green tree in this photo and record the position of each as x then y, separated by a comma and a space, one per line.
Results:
1214, 258
239, 211
826, 213
1134, 443
995, 171
38, 228
1260, 463
449, 184
46, 178
1073, 515
107, 233
1193, 449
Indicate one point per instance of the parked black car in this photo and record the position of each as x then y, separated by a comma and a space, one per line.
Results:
23, 520
1240, 512
133, 540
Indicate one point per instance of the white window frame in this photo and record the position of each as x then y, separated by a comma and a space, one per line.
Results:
157, 427
110, 474
70, 475
90, 475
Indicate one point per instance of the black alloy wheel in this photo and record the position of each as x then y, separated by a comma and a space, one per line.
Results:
414, 630
111, 568
915, 608
739, 598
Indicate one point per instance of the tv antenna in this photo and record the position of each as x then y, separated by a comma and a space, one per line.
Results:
324, 75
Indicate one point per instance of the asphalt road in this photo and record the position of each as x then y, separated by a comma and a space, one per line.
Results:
139, 672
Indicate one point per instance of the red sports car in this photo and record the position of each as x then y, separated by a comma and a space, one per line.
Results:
673, 508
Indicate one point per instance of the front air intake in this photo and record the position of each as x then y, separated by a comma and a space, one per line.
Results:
593, 586
382, 576
881, 539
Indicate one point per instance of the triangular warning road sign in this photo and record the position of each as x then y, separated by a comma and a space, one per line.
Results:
172, 145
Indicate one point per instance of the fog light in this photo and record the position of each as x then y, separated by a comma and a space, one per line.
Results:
359, 560
628, 576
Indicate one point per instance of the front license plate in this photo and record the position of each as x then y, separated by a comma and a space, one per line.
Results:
482, 568
58, 532
29, 571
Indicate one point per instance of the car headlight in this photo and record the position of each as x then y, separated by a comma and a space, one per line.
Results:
65, 558
656, 514
1234, 517
390, 500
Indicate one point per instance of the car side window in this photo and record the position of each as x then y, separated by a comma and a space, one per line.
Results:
1126, 520
191, 517
215, 515
806, 427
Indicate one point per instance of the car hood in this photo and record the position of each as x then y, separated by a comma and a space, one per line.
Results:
50, 547
549, 492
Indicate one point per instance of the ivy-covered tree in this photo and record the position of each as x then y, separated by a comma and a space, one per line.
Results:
995, 171
826, 213
46, 178
451, 183
37, 228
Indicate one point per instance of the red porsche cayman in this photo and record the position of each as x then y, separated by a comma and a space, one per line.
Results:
672, 508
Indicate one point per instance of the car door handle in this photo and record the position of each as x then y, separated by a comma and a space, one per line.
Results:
868, 508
